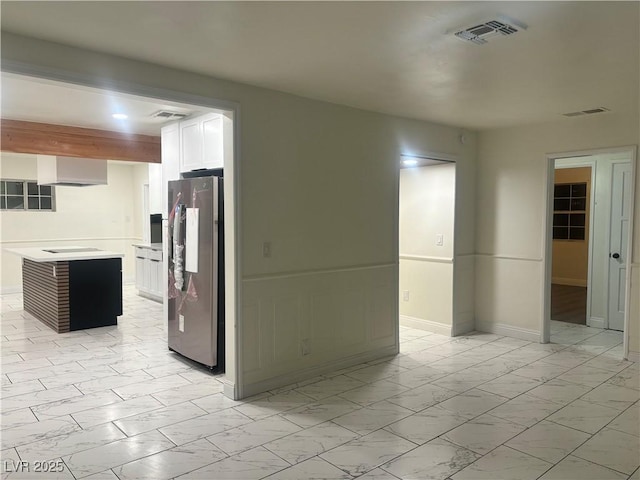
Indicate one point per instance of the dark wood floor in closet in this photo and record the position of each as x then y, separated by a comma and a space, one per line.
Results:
569, 304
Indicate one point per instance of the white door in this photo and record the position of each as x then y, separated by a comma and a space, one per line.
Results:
620, 204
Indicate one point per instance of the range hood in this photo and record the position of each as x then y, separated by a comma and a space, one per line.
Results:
71, 171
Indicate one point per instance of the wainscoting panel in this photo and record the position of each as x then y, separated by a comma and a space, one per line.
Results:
252, 334
382, 308
351, 330
509, 292
286, 330
463, 295
430, 287
301, 323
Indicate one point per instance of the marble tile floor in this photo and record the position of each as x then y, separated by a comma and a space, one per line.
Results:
114, 403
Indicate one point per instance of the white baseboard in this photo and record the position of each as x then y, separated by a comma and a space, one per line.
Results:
634, 356
228, 388
149, 296
508, 331
573, 282
596, 322
426, 325
311, 372
8, 290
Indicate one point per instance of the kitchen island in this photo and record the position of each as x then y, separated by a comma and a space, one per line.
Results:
71, 288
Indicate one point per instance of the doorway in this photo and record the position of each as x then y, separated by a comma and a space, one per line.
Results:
588, 233
572, 206
163, 100
426, 248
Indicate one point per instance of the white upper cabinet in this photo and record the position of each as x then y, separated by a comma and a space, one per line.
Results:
201, 142
191, 145
155, 188
170, 145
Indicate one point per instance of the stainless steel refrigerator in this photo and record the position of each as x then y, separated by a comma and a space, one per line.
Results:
196, 270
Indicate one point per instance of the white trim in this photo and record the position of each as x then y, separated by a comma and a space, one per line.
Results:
396, 251
320, 271
592, 152
300, 375
627, 302
596, 322
508, 257
426, 325
228, 388
547, 249
425, 258
633, 357
509, 331
430, 155
573, 282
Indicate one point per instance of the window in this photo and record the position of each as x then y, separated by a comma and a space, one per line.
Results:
26, 195
569, 211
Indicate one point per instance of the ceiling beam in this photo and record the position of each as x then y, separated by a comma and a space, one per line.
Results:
47, 139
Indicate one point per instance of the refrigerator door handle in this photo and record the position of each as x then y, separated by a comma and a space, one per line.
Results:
178, 248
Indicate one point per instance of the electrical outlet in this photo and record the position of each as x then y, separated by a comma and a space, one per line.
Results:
266, 249
306, 350
439, 239
405, 295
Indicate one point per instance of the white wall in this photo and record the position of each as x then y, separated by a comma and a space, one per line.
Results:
103, 216
512, 174
319, 181
427, 208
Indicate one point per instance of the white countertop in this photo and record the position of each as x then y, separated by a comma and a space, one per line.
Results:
152, 246
40, 254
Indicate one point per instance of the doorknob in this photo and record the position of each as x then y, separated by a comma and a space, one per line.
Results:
615, 255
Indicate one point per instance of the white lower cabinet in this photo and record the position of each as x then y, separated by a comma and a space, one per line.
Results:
140, 262
149, 272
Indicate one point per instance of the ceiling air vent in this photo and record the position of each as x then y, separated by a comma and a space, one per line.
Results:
481, 33
168, 115
590, 111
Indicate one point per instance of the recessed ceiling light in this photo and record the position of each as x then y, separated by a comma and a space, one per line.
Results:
120, 116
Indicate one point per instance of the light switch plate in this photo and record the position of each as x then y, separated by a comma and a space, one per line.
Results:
266, 249
439, 239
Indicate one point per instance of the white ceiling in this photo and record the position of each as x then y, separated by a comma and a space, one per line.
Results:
44, 101
392, 57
